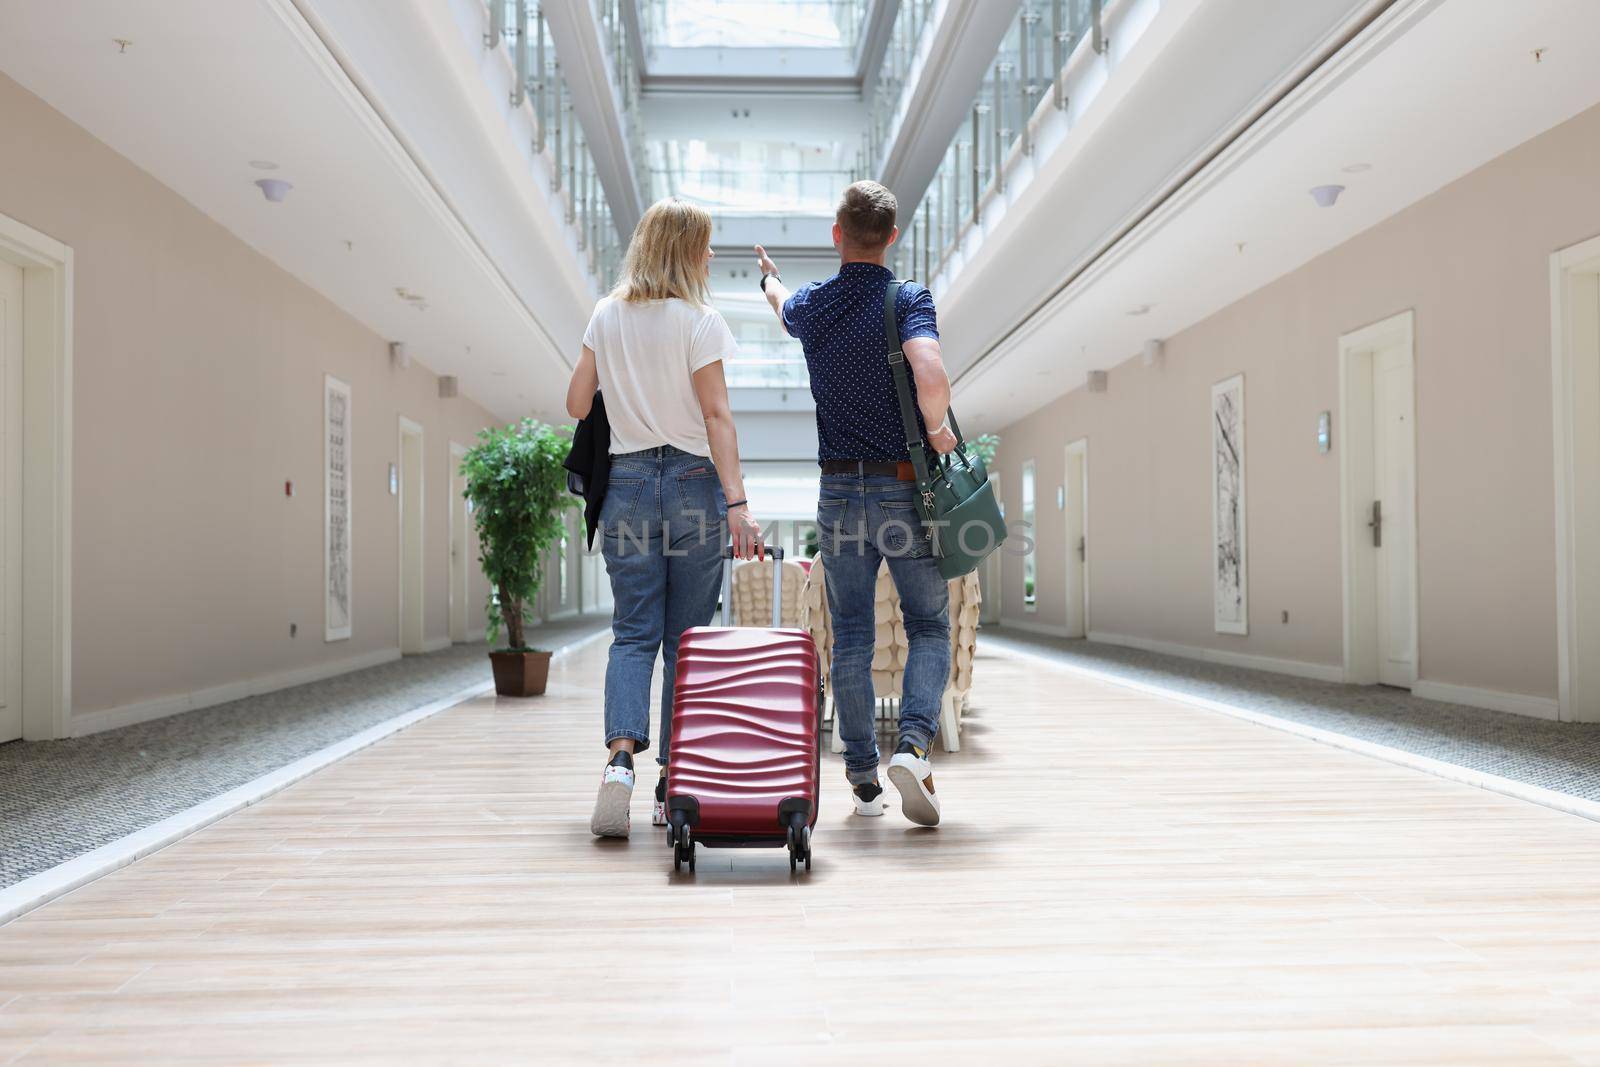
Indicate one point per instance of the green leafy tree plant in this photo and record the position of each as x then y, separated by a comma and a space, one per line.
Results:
985, 446
518, 490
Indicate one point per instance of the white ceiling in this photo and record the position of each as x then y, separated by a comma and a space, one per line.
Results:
1453, 91
199, 94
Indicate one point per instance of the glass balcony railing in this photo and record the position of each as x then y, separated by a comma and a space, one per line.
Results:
519, 27
1026, 72
767, 364
914, 19
754, 190
626, 74
754, 23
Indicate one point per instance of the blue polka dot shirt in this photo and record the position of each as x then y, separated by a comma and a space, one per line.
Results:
839, 323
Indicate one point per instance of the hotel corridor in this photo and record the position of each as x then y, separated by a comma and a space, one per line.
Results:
1121, 879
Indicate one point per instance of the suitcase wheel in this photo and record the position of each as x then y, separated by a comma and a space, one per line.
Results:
682, 847
799, 846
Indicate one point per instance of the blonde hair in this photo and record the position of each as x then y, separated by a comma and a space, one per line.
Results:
667, 256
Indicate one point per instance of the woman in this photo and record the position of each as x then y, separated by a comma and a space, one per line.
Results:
654, 348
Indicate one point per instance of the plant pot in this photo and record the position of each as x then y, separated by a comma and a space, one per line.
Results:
520, 674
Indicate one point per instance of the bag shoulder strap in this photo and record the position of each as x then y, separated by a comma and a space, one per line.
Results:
902, 387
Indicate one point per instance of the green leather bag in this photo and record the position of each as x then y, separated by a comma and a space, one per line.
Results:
954, 496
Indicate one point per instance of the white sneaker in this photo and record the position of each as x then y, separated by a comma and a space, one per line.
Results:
658, 811
868, 799
612, 817
912, 774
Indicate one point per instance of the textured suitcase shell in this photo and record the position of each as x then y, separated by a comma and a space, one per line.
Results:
745, 730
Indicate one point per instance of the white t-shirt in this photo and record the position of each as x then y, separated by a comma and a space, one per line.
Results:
646, 354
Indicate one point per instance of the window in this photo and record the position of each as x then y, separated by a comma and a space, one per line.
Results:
1029, 563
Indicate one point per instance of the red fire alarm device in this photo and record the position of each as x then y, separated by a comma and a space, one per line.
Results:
288, 488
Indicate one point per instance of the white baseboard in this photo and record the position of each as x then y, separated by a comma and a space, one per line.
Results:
1321, 672
93, 722
436, 644
1472, 696
1048, 629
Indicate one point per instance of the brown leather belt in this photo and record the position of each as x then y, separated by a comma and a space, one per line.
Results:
879, 468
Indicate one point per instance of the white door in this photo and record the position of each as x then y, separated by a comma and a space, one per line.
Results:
990, 576
412, 565
460, 546
10, 502
1077, 526
1394, 513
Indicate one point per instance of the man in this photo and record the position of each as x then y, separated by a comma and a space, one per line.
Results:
867, 510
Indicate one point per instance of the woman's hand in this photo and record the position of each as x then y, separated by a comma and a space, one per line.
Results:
746, 533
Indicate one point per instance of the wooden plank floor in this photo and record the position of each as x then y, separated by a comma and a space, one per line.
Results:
1120, 880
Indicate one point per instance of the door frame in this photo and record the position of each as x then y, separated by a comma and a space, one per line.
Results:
460, 583
46, 589
991, 611
411, 428
1079, 448
1357, 482
1575, 411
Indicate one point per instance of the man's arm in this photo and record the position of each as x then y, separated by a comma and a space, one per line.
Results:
775, 291
933, 390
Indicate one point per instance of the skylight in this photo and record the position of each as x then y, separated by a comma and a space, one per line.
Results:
754, 23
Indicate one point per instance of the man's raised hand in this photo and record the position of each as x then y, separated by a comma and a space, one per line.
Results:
764, 261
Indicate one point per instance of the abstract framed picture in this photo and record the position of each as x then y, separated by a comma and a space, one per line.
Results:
1229, 549
336, 508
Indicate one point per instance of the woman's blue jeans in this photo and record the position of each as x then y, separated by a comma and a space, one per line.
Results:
662, 527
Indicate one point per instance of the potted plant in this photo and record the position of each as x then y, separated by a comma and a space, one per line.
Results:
518, 490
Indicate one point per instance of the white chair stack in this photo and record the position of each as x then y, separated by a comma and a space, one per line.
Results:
890, 647
752, 593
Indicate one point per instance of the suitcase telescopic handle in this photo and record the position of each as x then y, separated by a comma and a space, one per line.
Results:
775, 554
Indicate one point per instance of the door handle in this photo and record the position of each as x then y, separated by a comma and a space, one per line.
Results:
1083, 548
1376, 525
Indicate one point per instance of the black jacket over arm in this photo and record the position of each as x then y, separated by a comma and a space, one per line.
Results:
589, 464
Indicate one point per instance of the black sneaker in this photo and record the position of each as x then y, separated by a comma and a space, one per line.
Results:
868, 797
912, 774
611, 816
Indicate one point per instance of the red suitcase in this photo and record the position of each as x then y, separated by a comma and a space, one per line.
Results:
745, 758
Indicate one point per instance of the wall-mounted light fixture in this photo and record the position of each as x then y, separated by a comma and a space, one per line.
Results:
399, 355
1155, 352
448, 386
1099, 381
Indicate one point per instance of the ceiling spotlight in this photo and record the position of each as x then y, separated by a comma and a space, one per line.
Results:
1326, 195
274, 189
263, 164
122, 44
1358, 168
1142, 309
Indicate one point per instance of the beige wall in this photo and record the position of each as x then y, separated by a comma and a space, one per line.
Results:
1473, 262
197, 392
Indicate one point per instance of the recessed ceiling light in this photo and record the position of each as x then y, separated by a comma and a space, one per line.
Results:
1142, 309
1358, 168
263, 164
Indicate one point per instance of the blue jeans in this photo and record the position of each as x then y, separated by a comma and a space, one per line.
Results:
861, 522
662, 528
